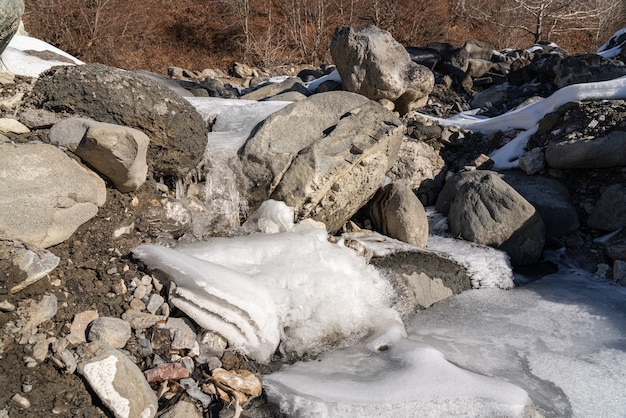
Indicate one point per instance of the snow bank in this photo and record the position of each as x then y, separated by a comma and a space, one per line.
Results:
30, 56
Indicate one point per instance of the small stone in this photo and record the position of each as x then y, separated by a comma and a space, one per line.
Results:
79, 326
137, 304
140, 291
26, 387
243, 381
183, 335
168, 371
62, 409
154, 303
182, 409
146, 280
9, 125
119, 288
141, 320
112, 331
20, 401
30, 362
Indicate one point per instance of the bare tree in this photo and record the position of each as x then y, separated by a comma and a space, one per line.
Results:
540, 19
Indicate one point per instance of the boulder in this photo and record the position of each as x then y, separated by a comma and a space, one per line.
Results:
609, 213
421, 278
396, 212
325, 156
587, 68
119, 384
45, 195
11, 12
372, 63
600, 152
552, 200
117, 152
488, 211
292, 84
422, 167
177, 132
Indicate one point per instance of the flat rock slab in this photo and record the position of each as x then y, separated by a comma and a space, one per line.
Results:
44, 194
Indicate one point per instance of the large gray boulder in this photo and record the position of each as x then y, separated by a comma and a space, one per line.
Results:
372, 63
44, 194
117, 152
11, 12
325, 156
488, 211
177, 132
601, 152
396, 212
552, 200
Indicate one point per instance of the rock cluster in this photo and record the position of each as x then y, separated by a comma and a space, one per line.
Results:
91, 156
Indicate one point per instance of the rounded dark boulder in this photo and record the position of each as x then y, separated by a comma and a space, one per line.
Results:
177, 132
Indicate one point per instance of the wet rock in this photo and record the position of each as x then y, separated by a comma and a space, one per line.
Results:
168, 371
47, 195
325, 156
488, 211
396, 212
609, 213
372, 63
119, 384
11, 12
117, 152
111, 331
178, 134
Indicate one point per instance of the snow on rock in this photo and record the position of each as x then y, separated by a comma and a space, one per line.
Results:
30, 56
526, 119
613, 46
293, 287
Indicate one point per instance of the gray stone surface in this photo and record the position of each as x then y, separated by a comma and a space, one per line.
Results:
11, 12
119, 384
45, 195
609, 213
117, 152
601, 152
396, 212
325, 156
551, 199
488, 211
111, 331
177, 132
372, 63
421, 278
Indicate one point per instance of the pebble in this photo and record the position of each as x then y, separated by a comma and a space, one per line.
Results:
26, 387
79, 325
20, 401
140, 291
6, 306
141, 320
137, 304
154, 303
183, 335
112, 331
168, 371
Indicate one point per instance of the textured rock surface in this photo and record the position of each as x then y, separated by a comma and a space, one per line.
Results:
325, 156
178, 134
119, 384
117, 152
375, 65
488, 211
45, 195
601, 152
11, 12
610, 211
396, 212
